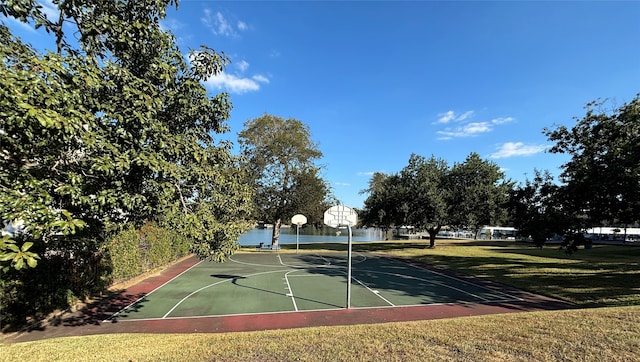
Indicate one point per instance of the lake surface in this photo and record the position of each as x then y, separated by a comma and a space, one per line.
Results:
310, 235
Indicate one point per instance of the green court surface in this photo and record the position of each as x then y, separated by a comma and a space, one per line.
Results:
273, 282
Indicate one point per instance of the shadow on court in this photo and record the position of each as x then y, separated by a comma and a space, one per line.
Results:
227, 276
87, 321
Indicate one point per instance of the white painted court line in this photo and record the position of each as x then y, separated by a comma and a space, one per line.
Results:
429, 282
509, 296
141, 298
281, 312
254, 264
308, 265
214, 284
376, 292
293, 299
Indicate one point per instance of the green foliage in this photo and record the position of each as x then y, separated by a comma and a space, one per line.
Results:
40, 127
428, 195
18, 257
115, 130
537, 210
479, 193
133, 252
602, 176
280, 157
125, 255
61, 277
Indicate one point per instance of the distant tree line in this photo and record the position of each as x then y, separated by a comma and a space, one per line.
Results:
428, 194
600, 185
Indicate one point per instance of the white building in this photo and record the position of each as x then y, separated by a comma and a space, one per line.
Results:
613, 233
497, 233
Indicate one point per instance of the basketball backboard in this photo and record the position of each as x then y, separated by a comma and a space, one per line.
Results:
340, 215
299, 219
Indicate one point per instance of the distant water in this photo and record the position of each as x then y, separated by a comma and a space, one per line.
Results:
310, 235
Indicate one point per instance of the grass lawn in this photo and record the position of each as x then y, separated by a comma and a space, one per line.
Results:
602, 334
604, 276
601, 276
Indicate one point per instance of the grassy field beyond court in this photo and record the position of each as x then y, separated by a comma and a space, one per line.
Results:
601, 276
604, 276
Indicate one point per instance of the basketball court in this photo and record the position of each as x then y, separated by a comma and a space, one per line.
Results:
280, 282
261, 290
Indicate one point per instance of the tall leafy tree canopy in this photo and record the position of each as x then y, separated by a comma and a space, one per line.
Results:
602, 179
479, 193
426, 193
537, 208
112, 127
429, 194
281, 157
380, 208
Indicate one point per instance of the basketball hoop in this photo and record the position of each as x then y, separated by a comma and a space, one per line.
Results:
340, 216
299, 220
343, 216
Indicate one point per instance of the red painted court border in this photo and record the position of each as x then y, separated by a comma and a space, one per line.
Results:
88, 321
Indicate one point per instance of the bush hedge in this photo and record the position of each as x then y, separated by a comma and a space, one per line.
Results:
133, 252
86, 268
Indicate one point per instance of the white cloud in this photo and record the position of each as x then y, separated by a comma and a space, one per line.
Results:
474, 128
171, 25
243, 65
50, 10
502, 120
342, 184
219, 25
274, 54
366, 173
511, 149
464, 116
451, 116
468, 130
446, 117
234, 83
260, 78
466, 127
18, 23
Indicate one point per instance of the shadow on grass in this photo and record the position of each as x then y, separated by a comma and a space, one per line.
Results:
93, 313
605, 275
602, 276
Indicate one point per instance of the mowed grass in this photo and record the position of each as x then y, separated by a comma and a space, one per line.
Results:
605, 334
606, 275
600, 277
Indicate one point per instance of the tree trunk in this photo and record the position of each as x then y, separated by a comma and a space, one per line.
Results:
432, 236
276, 232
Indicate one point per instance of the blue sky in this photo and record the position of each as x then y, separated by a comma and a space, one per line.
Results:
379, 80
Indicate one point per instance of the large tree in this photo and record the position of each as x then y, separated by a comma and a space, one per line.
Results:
478, 193
313, 195
112, 127
382, 207
537, 208
281, 157
603, 176
426, 194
